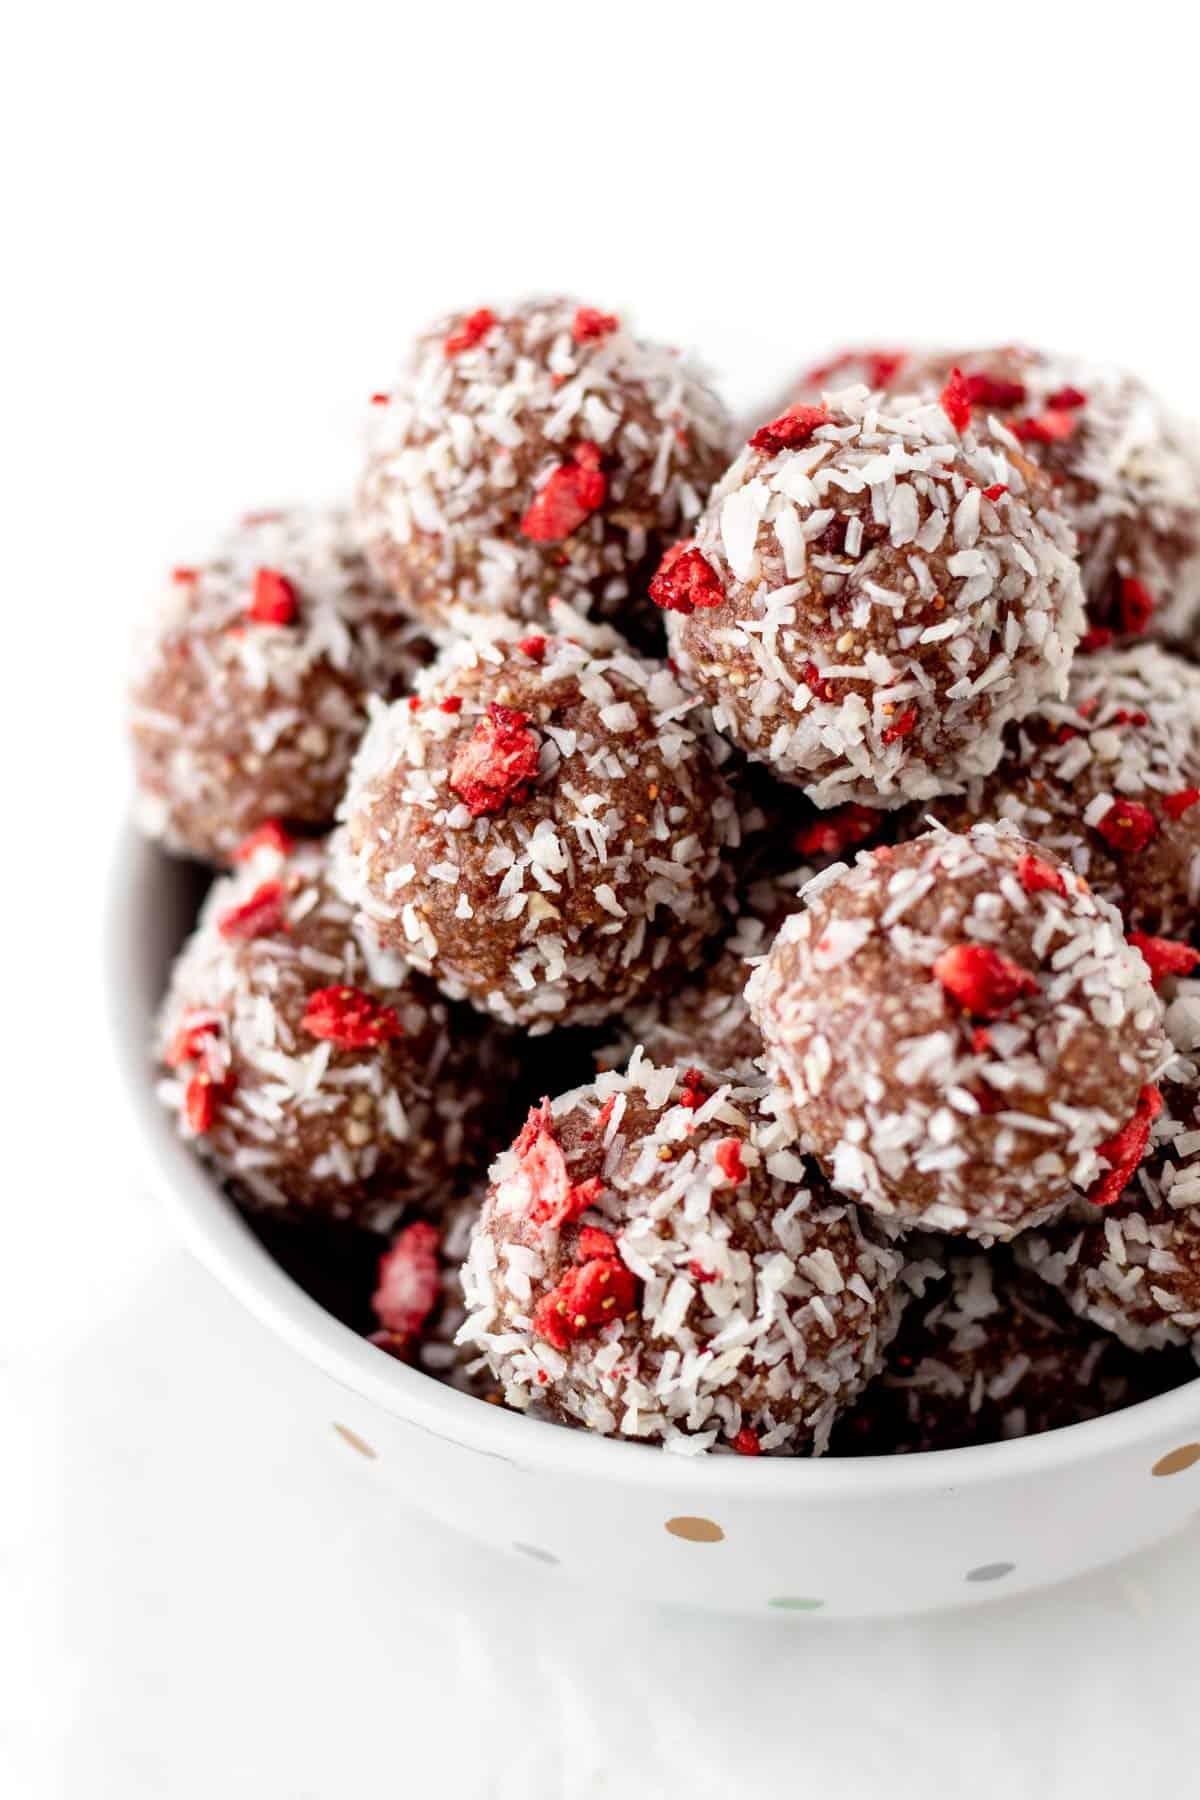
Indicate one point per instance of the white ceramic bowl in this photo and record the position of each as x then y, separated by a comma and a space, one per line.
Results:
850, 1538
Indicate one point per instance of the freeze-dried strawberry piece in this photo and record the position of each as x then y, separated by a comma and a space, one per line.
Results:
1038, 877
879, 367
203, 1099
1175, 805
900, 726
349, 1019
272, 599
695, 1089
994, 492
992, 392
1135, 606
728, 1158
592, 1243
791, 430
686, 581
746, 1442
1164, 956
1125, 1149
497, 762
185, 577
451, 704
837, 831
1050, 427
472, 331
408, 1283
589, 325
568, 496
699, 1273
1097, 637
589, 1296
983, 981
534, 647
256, 917
955, 400
191, 1040
1066, 399
1127, 825
555, 1200
270, 835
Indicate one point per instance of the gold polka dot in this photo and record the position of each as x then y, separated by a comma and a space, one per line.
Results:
696, 1531
1176, 1461
355, 1442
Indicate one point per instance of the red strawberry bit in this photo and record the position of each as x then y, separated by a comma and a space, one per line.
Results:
900, 726
185, 577
589, 325
1050, 427
699, 1273
791, 430
1175, 805
568, 496
592, 1243
1127, 826
837, 831
589, 1296
994, 492
1066, 399
256, 917
1099, 637
1135, 607
534, 647
1038, 877
695, 1089
349, 1019
1087, 707
554, 1199
472, 331
983, 981
409, 1281
203, 1099
1123, 716
746, 1442
728, 1158
270, 835
605, 1114
451, 704
815, 681
686, 581
414, 703
273, 600
981, 1041
1125, 1150
497, 762
191, 1040
380, 399
1164, 956
995, 394
955, 399
879, 366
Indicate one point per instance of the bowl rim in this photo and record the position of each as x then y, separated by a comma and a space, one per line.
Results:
219, 1238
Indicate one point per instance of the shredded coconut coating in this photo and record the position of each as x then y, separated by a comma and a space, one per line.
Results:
989, 1354
297, 1122
594, 881
1128, 729
882, 618
927, 1108
762, 1303
1126, 474
467, 441
234, 719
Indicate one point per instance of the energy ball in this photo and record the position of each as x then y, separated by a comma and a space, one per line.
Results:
249, 696
540, 829
1109, 779
312, 1079
872, 593
536, 451
961, 1028
990, 1353
651, 1262
1126, 476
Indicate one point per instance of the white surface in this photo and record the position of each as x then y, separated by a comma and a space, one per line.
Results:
224, 223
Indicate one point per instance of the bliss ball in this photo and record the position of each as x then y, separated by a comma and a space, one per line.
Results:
989, 1353
249, 696
651, 1262
1109, 779
312, 1078
536, 451
960, 1027
540, 828
871, 595
1126, 476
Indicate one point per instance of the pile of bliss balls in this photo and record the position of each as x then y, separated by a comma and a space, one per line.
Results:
701, 939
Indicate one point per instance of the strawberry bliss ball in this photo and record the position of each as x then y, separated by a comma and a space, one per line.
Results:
872, 593
249, 697
961, 1028
536, 451
1109, 779
1126, 476
539, 827
989, 1353
651, 1261
297, 1072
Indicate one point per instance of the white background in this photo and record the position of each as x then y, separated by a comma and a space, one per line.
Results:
222, 223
